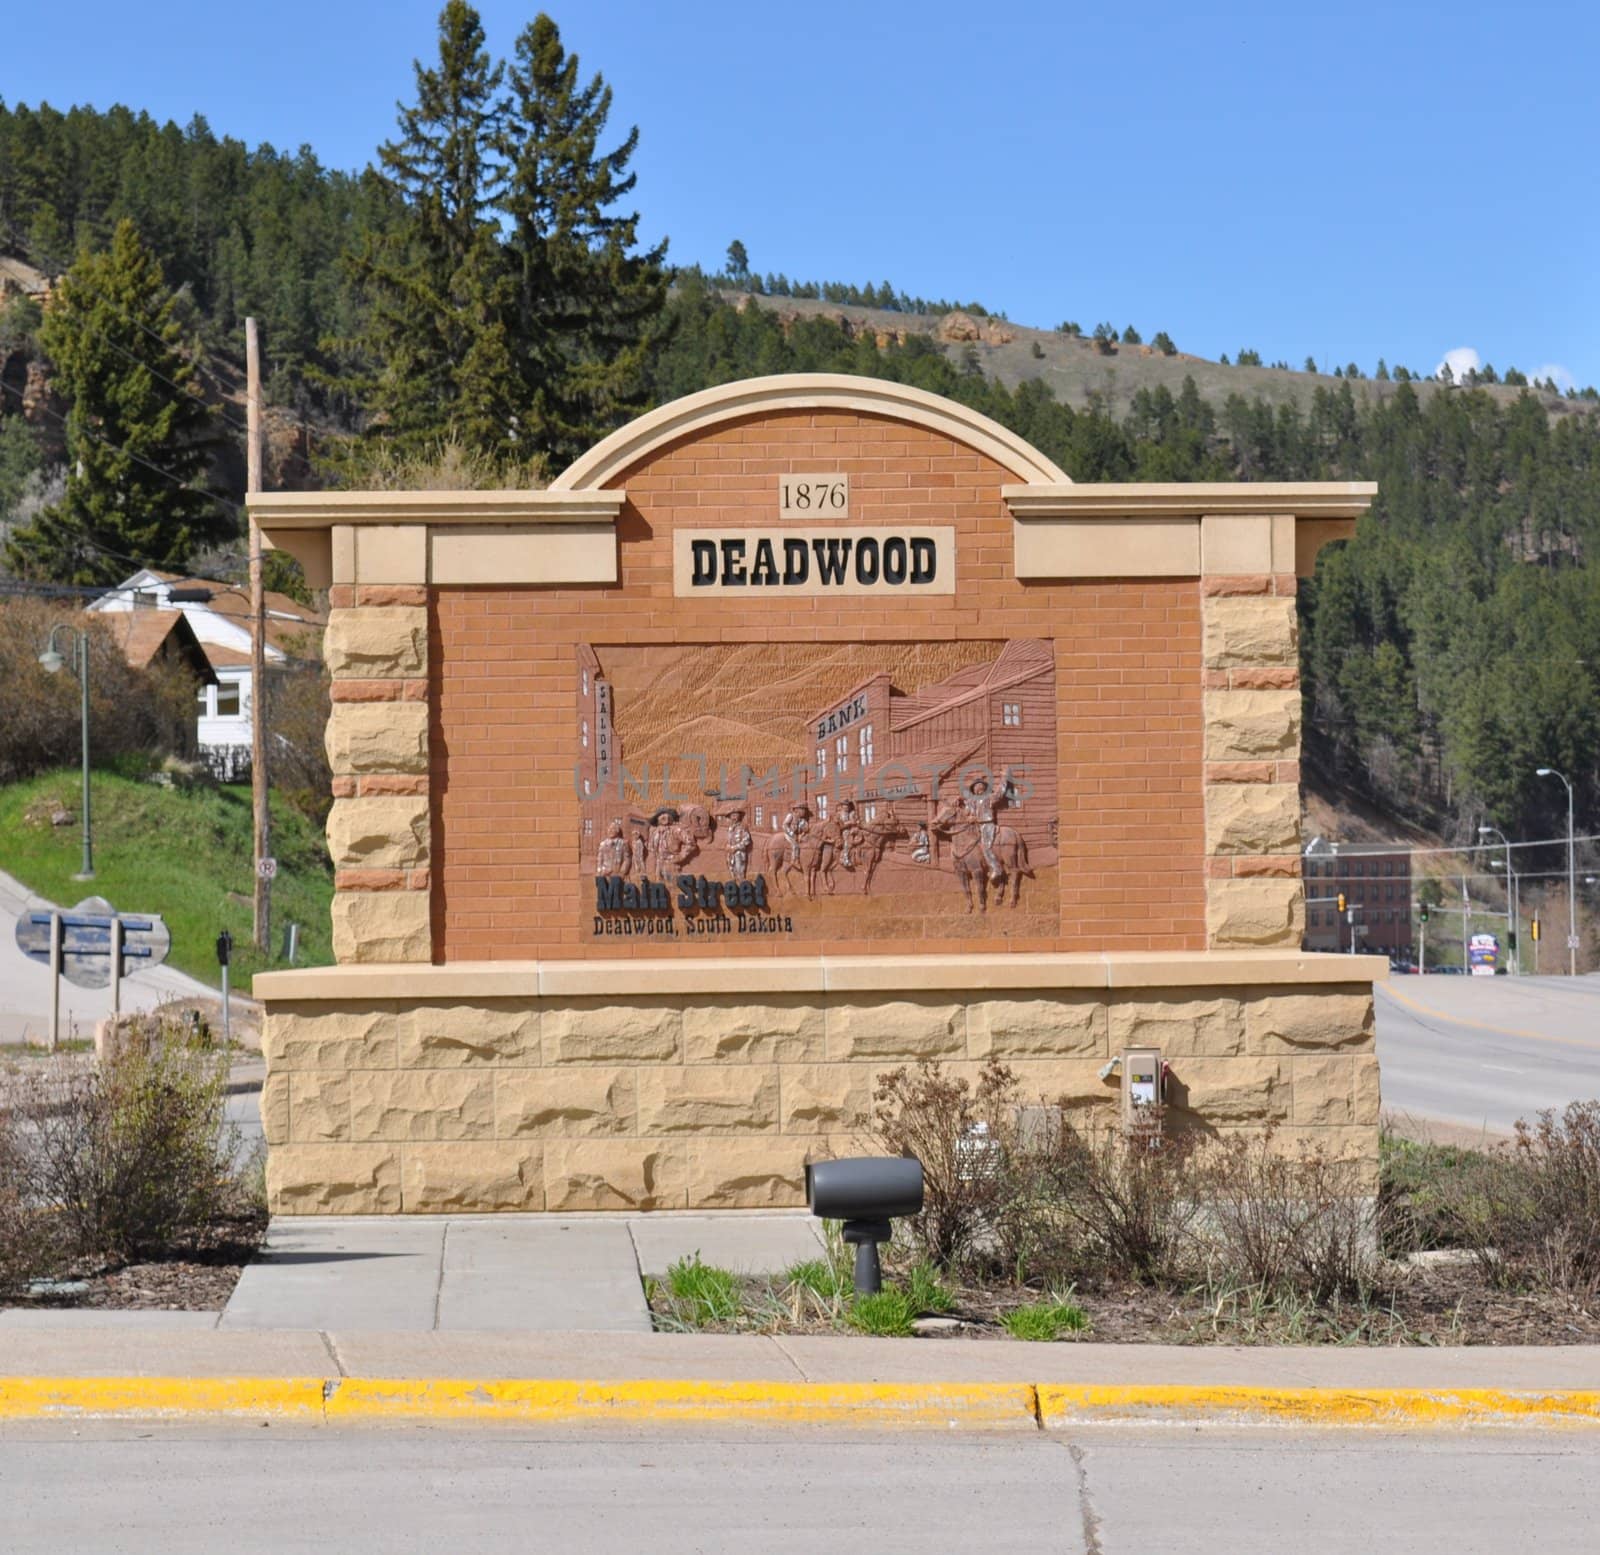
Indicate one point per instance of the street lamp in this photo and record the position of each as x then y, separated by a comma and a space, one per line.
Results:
79, 665
1572, 880
1511, 891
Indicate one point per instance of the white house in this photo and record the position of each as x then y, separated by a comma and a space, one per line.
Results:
219, 615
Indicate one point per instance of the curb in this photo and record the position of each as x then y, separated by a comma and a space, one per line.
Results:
942, 1406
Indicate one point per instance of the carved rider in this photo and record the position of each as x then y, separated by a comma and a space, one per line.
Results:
613, 856
795, 825
850, 832
980, 805
736, 839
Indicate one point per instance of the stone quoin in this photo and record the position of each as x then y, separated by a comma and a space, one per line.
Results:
803, 728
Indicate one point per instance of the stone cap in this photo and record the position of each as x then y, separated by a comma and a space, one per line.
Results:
474, 980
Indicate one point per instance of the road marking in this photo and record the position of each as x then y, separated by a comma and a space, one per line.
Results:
1502, 1068
1483, 1025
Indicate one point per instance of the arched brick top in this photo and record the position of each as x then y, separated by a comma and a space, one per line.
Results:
609, 460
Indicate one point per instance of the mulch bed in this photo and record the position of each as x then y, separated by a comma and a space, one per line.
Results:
1441, 1304
197, 1278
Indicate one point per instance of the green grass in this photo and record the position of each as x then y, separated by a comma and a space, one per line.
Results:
926, 1292
706, 1294
183, 855
886, 1315
1044, 1320
825, 1280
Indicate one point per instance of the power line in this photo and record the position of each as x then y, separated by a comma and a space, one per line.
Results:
235, 508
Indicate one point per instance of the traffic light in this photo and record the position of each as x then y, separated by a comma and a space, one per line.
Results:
1422, 912
1533, 929
1341, 901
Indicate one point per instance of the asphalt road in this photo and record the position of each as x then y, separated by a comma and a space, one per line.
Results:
254, 1491
1482, 1052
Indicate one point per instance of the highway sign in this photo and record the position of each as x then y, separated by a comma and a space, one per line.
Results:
1572, 942
266, 868
86, 940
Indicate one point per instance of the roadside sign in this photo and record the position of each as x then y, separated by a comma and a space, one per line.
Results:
266, 868
86, 935
1572, 942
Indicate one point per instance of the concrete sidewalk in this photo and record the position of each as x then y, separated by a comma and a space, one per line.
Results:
76, 1345
510, 1273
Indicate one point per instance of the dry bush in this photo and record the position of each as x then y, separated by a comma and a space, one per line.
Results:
1127, 1193
961, 1136
1530, 1212
132, 713
297, 718
1300, 1222
135, 1155
25, 1243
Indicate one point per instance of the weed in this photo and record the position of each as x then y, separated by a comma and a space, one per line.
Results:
925, 1291
704, 1293
887, 1314
1044, 1320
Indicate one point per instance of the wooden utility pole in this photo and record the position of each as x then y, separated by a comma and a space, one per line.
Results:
262, 828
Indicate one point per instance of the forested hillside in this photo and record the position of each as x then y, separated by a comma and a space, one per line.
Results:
437, 302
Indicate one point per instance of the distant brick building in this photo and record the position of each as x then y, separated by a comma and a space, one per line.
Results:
1376, 883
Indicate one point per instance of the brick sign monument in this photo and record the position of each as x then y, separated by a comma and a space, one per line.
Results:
804, 727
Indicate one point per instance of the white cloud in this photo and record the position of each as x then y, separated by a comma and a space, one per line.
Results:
1460, 361
1554, 370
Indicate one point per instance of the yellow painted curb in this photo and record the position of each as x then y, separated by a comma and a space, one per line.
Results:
276, 1398
1085, 1404
966, 1406
942, 1406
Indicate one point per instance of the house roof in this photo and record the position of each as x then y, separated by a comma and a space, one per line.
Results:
144, 634
293, 628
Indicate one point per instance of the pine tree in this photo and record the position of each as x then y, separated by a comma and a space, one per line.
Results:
439, 294
136, 431
588, 297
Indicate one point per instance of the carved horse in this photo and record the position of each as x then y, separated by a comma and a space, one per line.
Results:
966, 853
876, 837
815, 853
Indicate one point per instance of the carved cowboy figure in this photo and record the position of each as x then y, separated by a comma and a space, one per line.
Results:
670, 849
849, 833
639, 849
921, 846
613, 856
737, 841
795, 825
980, 805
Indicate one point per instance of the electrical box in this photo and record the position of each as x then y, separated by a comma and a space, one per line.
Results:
1142, 1072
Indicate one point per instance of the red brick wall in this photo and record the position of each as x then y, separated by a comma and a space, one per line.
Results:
506, 883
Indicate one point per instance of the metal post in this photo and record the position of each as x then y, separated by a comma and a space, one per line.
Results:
227, 1012
1422, 955
116, 970
55, 980
83, 685
1572, 894
1466, 929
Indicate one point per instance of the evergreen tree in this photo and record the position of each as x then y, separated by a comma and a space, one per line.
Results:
588, 298
738, 260
136, 431
438, 290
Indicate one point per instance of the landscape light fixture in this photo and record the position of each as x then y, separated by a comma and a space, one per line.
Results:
866, 1193
52, 662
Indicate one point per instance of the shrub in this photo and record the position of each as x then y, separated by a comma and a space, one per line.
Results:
135, 1155
1300, 1222
1126, 1190
1532, 1212
26, 1243
959, 1134
131, 711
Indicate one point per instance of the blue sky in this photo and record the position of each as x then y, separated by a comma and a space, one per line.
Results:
1347, 182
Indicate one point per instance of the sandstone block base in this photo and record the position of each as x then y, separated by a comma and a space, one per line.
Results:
455, 1105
